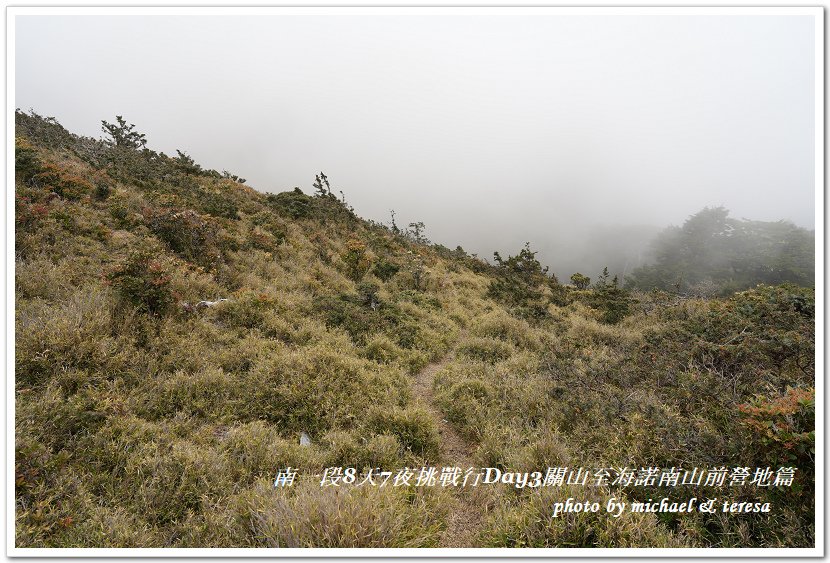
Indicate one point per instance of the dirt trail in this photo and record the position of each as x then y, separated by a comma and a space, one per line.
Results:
465, 517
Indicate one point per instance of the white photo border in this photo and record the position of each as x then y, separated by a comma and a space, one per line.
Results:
816, 12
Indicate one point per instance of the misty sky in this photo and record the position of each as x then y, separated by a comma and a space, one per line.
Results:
492, 130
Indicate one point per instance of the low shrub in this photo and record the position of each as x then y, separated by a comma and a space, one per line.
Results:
782, 428
65, 413
315, 389
61, 181
263, 239
356, 259
465, 403
27, 163
256, 450
187, 234
485, 349
342, 517
347, 449
498, 324
203, 394
245, 309
529, 522
385, 270
125, 209
177, 480
72, 335
142, 281
382, 350
359, 319
413, 427
294, 204
28, 213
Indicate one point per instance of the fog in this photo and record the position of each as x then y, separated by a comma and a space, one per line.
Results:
583, 135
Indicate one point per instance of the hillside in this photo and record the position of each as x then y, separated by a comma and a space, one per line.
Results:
179, 334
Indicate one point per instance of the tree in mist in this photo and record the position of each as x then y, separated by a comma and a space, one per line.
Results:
608, 297
712, 250
603, 282
580, 281
416, 232
321, 185
394, 227
186, 164
124, 135
520, 281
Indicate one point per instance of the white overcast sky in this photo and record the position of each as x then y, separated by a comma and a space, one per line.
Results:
492, 130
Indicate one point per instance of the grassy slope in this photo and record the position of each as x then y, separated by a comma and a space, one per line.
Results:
143, 422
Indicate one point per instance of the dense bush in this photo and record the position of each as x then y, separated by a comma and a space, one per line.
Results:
485, 349
532, 524
518, 278
143, 281
294, 204
345, 517
613, 302
385, 270
360, 319
580, 281
499, 325
220, 205
28, 213
187, 234
414, 428
44, 131
520, 282
782, 428
357, 259
26, 161
53, 178
245, 308
767, 328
